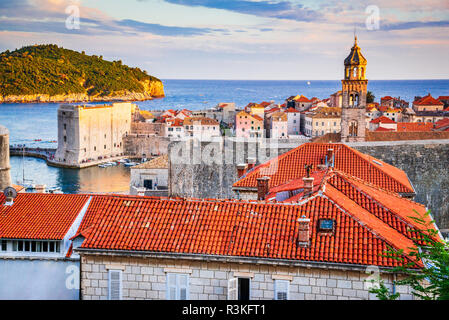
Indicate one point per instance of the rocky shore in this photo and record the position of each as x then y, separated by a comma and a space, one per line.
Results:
153, 89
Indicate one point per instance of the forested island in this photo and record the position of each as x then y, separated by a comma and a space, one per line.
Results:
48, 73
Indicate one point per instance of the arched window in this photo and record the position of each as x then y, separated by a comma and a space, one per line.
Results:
355, 72
356, 99
351, 100
353, 129
363, 72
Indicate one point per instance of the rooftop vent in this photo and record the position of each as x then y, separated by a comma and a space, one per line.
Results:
303, 231
10, 193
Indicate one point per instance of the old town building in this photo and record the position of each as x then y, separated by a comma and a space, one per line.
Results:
354, 89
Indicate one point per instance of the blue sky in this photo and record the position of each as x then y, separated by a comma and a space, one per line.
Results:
242, 39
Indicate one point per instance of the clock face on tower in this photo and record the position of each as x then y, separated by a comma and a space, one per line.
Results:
354, 89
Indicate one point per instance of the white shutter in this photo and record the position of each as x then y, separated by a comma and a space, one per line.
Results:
281, 289
233, 286
171, 286
115, 284
182, 285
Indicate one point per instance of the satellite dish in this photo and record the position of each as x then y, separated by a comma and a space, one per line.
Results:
10, 192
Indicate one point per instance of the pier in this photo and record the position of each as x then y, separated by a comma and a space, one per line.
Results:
48, 154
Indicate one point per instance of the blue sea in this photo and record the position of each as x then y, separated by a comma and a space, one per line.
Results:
27, 122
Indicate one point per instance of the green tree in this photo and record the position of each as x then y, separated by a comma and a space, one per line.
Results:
430, 282
370, 97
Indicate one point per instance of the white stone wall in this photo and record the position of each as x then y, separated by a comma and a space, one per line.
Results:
146, 279
92, 132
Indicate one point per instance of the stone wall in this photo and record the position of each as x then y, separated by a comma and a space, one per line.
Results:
138, 145
208, 170
426, 163
145, 278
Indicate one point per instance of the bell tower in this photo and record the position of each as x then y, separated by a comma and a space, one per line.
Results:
353, 124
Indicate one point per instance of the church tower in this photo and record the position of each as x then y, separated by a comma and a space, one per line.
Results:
353, 124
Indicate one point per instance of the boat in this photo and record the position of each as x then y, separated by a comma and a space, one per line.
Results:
122, 160
130, 164
104, 165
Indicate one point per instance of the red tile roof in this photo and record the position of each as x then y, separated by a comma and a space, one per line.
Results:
291, 110
39, 215
414, 126
240, 228
383, 129
442, 123
382, 119
290, 166
427, 101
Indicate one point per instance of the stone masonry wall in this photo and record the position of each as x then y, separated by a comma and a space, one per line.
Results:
427, 166
145, 278
139, 145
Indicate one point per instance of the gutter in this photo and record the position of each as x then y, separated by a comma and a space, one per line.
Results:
231, 259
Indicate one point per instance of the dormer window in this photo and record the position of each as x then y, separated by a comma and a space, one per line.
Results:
326, 225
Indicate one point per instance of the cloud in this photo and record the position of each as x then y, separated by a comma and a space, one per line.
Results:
42, 17
414, 24
162, 30
269, 9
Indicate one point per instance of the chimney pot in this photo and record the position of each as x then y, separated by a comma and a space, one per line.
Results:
262, 187
303, 231
241, 169
308, 184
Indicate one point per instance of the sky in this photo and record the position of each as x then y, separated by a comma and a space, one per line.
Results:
241, 39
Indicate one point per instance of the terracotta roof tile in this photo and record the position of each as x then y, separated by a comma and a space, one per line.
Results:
238, 228
39, 215
290, 166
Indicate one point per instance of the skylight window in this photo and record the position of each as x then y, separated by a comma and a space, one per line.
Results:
326, 225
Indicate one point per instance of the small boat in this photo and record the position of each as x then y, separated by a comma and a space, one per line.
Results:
111, 163
122, 160
130, 164
37, 140
104, 165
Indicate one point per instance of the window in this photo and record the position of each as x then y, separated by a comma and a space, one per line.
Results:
35, 246
238, 289
65, 138
326, 224
177, 286
105, 146
148, 184
281, 289
3, 245
65, 126
115, 285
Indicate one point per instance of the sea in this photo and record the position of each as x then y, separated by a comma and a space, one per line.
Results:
38, 121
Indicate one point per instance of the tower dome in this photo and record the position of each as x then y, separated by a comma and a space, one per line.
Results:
355, 64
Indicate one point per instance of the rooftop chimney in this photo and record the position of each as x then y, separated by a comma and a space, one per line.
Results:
308, 184
251, 163
303, 231
329, 156
5, 177
262, 187
241, 169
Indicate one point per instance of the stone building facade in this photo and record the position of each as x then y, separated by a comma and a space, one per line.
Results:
145, 277
90, 133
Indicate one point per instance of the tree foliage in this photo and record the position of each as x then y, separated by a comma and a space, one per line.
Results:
370, 97
49, 69
430, 282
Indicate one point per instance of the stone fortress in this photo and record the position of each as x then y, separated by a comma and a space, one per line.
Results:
91, 133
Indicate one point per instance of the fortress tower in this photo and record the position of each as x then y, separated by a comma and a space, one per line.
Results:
5, 177
354, 86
